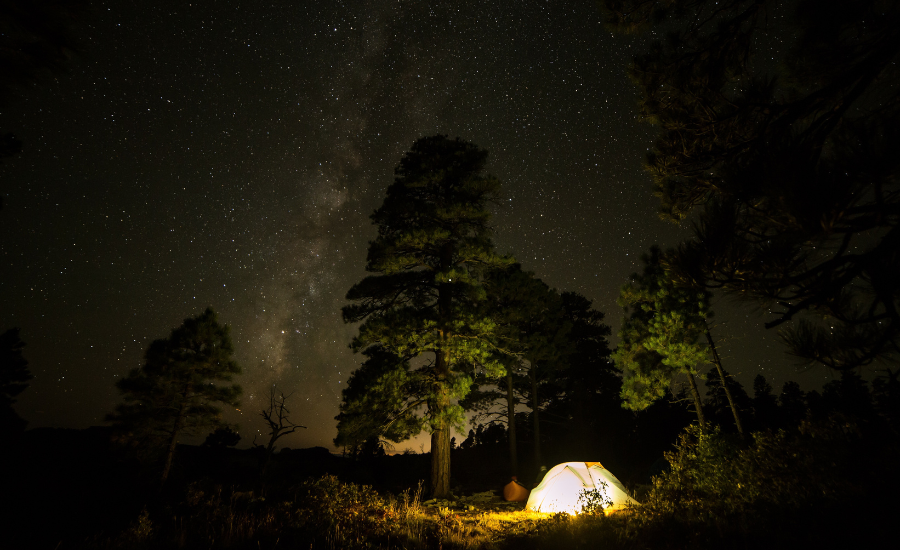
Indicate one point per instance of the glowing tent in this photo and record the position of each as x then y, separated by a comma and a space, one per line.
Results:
561, 487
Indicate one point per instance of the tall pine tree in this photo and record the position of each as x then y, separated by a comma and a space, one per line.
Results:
531, 327
590, 404
516, 299
433, 245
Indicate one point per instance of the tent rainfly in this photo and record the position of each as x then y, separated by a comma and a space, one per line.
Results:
561, 487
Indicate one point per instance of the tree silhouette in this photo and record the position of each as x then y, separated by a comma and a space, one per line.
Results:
37, 40
14, 377
222, 437
792, 404
531, 330
589, 406
578, 386
278, 420
765, 404
547, 343
433, 244
177, 389
515, 300
850, 396
788, 166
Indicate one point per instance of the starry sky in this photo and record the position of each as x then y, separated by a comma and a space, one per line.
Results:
229, 153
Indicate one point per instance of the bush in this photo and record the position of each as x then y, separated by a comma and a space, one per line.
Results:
594, 501
342, 511
720, 488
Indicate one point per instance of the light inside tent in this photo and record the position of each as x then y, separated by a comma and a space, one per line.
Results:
562, 496
561, 487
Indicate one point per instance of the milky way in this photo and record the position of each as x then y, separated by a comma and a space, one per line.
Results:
229, 154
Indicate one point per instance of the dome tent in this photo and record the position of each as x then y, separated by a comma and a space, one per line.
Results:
561, 487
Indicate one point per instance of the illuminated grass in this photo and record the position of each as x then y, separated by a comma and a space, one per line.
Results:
329, 514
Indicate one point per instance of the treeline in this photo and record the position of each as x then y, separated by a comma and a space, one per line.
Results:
632, 445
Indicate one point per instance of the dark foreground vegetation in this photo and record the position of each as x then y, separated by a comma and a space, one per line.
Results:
826, 481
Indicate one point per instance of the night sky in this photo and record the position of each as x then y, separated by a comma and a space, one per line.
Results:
228, 154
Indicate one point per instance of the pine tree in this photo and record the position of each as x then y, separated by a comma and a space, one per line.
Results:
788, 165
792, 404
765, 404
532, 330
14, 377
525, 310
660, 337
381, 399
433, 245
590, 404
176, 391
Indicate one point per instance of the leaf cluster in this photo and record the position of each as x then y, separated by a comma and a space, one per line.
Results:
382, 397
660, 332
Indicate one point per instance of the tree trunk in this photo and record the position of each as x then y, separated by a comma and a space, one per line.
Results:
538, 461
697, 404
440, 436
173, 443
270, 450
511, 424
440, 462
718, 363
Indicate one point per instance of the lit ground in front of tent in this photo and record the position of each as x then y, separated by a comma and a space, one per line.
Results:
477, 520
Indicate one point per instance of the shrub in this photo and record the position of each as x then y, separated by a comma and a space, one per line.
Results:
329, 506
594, 501
720, 487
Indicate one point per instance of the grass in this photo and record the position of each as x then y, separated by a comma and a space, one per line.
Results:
329, 514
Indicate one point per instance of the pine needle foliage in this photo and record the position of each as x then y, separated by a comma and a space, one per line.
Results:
660, 333
177, 390
382, 398
778, 137
428, 261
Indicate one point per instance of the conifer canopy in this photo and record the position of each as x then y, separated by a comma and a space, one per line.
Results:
660, 333
778, 137
177, 390
428, 260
